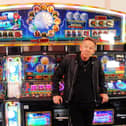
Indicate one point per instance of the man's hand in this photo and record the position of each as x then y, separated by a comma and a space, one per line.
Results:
57, 99
105, 97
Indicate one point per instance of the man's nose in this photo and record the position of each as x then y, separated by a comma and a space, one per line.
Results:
88, 48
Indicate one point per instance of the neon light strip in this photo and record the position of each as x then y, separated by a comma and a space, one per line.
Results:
10, 7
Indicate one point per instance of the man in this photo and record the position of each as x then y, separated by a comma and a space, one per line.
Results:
83, 83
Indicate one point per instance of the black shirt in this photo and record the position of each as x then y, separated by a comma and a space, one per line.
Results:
83, 91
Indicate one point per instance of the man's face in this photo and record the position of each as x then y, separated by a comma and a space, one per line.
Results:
87, 49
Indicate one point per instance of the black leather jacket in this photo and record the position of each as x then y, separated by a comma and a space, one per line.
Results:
68, 68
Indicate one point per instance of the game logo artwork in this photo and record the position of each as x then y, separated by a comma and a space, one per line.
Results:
64, 24
44, 22
10, 25
38, 67
10, 21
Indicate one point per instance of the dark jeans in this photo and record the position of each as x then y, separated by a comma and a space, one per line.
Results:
82, 114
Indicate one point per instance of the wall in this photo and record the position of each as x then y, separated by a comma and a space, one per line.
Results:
118, 5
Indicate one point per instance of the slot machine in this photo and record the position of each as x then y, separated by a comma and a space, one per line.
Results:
113, 64
36, 89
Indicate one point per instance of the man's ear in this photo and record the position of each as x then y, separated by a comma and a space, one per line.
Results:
80, 47
94, 52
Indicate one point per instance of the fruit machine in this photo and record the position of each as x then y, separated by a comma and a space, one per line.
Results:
13, 75
37, 106
113, 64
36, 90
12, 113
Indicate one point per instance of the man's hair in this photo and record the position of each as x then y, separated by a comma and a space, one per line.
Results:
91, 39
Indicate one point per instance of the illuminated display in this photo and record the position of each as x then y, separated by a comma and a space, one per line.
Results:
10, 20
13, 75
36, 89
13, 69
38, 118
116, 88
114, 67
43, 19
103, 116
58, 23
39, 89
12, 114
39, 67
10, 24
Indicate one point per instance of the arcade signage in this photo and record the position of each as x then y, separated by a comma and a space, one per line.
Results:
43, 22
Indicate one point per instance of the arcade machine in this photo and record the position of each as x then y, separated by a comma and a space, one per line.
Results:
28, 89
12, 78
28, 86
36, 89
113, 63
